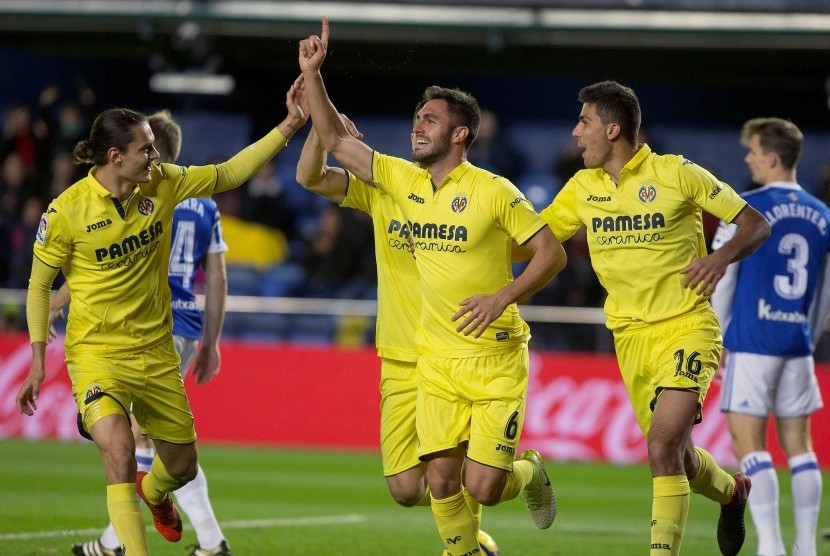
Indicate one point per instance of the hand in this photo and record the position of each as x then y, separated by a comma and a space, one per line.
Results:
703, 275
30, 390
296, 101
313, 49
483, 309
207, 363
54, 314
350, 127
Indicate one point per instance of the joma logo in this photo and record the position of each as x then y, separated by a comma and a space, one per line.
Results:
98, 225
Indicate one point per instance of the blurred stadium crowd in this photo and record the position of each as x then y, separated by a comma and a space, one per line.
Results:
284, 241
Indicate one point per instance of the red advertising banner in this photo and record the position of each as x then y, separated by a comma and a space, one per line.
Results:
288, 395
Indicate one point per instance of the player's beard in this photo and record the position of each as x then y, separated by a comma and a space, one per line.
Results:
440, 149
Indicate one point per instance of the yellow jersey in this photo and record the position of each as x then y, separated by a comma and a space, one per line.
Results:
463, 231
399, 294
643, 231
115, 255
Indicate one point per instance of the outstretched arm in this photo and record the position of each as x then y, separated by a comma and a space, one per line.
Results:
352, 153
242, 166
208, 357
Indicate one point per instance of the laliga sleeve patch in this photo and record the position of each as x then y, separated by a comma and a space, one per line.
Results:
42, 229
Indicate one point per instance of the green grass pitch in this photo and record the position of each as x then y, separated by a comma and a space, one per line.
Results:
286, 502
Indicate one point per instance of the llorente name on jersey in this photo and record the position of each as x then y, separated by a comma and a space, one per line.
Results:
130, 243
795, 210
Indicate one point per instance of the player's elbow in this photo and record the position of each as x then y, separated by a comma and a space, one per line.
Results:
560, 259
305, 180
331, 141
766, 229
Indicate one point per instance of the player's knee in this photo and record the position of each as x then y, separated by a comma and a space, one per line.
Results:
187, 472
663, 452
406, 498
183, 469
486, 494
122, 459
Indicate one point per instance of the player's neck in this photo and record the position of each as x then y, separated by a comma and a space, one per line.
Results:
782, 176
621, 154
113, 182
442, 168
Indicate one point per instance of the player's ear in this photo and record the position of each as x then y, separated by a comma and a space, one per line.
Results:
613, 131
459, 134
114, 155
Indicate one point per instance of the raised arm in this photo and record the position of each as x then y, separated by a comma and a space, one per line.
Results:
242, 166
314, 174
352, 153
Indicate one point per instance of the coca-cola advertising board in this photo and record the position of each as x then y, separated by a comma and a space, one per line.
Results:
325, 397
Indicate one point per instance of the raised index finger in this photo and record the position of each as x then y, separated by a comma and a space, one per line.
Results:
324, 36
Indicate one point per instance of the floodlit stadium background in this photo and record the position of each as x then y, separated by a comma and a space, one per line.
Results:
701, 68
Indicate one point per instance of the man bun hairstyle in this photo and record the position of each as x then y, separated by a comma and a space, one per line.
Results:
111, 128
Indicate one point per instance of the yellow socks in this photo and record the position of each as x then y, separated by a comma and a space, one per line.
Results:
158, 482
456, 524
474, 506
711, 481
521, 476
472, 503
126, 518
669, 511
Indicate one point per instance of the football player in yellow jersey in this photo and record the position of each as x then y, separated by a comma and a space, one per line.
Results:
110, 235
642, 212
399, 307
473, 362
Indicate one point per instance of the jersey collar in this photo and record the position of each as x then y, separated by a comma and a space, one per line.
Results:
456, 174
639, 157
102, 191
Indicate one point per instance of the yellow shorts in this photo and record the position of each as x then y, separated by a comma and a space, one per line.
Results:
147, 382
679, 354
398, 438
475, 399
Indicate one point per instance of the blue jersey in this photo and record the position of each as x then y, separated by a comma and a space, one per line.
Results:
196, 233
774, 302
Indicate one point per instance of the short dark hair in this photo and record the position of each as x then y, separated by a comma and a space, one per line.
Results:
168, 135
463, 107
776, 135
111, 128
617, 104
